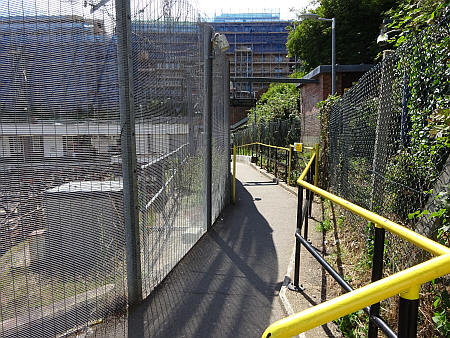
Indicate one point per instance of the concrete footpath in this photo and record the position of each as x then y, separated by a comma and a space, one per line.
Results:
229, 284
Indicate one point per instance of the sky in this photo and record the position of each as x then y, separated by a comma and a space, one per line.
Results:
207, 7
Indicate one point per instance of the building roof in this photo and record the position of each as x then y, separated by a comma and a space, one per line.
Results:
88, 186
272, 15
361, 68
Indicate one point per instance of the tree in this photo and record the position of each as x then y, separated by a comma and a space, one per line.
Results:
357, 27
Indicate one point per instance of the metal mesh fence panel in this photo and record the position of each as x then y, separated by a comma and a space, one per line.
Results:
62, 239
168, 80
385, 152
220, 143
62, 222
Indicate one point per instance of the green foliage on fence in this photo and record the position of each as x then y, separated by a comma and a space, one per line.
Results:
425, 55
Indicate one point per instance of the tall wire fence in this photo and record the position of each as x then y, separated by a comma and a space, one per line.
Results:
387, 150
63, 241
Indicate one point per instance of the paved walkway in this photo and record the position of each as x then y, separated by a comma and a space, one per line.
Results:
228, 284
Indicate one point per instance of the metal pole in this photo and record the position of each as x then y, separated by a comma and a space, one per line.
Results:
316, 166
190, 113
128, 148
296, 286
408, 313
311, 198
333, 56
289, 171
377, 274
276, 162
207, 120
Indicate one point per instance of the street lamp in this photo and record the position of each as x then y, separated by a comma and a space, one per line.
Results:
312, 16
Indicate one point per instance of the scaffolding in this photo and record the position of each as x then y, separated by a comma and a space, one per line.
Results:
257, 48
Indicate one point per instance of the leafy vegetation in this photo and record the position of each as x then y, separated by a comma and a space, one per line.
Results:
357, 27
279, 102
425, 55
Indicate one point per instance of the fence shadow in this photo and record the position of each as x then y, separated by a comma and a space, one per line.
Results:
224, 287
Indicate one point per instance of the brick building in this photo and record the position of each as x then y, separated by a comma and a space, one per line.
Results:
312, 93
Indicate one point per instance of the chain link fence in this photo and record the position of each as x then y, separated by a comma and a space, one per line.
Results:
280, 133
63, 194
388, 145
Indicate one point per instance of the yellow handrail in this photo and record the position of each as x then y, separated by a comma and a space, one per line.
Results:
406, 282
263, 144
360, 298
311, 160
421, 241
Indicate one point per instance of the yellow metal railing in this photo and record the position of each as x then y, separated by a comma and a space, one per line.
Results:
406, 283
290, 148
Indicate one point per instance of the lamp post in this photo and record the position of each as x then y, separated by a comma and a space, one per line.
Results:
312, 16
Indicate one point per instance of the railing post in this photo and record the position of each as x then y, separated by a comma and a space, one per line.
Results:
128, 149
408, 312
311, 195
316, 166
377, 274
290, 160
276, 162
234, 174
260, 156
296, 285
286, 167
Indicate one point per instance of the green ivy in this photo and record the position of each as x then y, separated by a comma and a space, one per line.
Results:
425, 56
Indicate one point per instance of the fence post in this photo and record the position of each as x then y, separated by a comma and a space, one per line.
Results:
260, 156
377, 274
408, 313
289, 170
296, 285
316, 166
383, 137
226, 102
207, 120
190, 116
128, 149
276, 162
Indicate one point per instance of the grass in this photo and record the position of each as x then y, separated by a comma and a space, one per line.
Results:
324, 225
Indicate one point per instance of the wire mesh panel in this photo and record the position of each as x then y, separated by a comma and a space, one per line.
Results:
220, 163
168, 82
62, 240
389, 145
62, 207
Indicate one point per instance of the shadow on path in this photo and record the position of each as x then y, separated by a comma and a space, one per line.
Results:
224, 287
